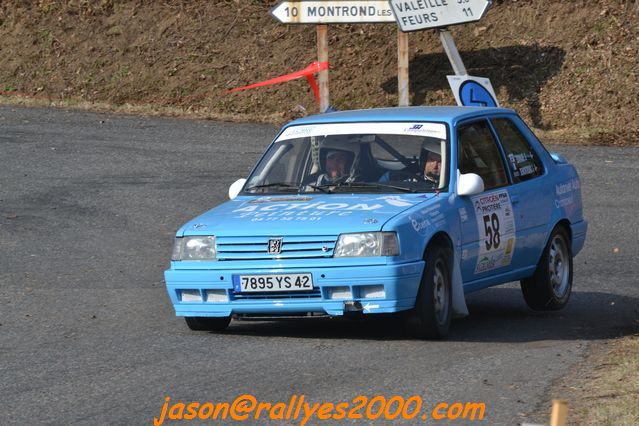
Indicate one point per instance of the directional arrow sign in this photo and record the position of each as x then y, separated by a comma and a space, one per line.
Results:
414, 15
333, 12
368, 307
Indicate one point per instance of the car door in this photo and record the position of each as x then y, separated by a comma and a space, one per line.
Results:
532, 196
488, 220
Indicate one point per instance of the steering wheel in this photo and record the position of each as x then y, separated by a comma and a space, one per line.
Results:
404, 176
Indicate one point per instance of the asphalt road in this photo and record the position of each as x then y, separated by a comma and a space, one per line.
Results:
88, 207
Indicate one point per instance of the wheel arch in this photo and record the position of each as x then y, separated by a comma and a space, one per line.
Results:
563, 223
441, 239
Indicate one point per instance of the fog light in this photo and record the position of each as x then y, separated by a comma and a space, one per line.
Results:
216, 296
372, 291
190, 296
339, 293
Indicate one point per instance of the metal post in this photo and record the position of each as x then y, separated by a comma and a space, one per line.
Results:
402, 68
451, 50
322, 56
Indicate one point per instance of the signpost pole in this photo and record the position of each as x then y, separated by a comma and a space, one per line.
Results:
402, 68
322, 56
451, 50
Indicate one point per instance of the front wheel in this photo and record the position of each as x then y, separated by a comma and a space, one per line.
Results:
549, 288
207, 323
431, 316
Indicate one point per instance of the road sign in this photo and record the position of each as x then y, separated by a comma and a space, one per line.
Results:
414, 15
472, 91
333, 12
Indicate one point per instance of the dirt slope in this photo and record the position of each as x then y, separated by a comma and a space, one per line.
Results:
569, 67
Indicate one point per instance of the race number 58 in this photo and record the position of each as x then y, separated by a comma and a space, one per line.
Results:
491, 229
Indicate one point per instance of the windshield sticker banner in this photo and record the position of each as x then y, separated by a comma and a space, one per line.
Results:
496, 225
433, 130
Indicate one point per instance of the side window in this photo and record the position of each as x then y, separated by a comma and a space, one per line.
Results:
478, 153
524, 162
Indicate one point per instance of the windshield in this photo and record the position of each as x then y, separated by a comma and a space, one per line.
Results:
354, 157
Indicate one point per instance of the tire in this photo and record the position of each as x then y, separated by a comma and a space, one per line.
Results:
550, 286
207, 323
431, 316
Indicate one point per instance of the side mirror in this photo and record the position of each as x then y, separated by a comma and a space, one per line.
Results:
236, 187
558, 158
469, 184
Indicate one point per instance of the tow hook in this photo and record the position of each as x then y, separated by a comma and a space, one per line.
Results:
353, 306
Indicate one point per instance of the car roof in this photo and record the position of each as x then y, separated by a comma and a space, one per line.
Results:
447, 114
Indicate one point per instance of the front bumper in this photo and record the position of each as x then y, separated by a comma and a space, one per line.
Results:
400, 284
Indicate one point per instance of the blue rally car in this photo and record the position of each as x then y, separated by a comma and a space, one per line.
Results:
381, 211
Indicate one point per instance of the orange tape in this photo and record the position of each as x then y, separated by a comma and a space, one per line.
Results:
307, 72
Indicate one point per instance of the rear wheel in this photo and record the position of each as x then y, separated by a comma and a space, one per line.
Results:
549, 288
207, 323
431, 316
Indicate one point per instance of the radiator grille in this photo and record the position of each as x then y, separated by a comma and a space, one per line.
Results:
256, 248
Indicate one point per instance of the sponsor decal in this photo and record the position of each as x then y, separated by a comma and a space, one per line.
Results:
420, 129
298, 131
397, 201
430, 216
301, 212
301, 208
420, 224
565, 192
463, 215
496, 226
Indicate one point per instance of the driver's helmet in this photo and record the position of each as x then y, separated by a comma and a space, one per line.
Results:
336, 157
429, 146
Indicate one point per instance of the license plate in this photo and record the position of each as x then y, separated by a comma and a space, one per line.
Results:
272, 282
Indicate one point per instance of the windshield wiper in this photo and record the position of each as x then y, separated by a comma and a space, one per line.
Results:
324, 188
362, 185
378, 185
274, 184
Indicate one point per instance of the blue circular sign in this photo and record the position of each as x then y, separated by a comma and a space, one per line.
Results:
472, 93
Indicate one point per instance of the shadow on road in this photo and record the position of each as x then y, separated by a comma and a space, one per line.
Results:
496, 315
521, 70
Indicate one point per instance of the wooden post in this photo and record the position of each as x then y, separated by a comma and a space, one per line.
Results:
322, 56
559, 413
402, 68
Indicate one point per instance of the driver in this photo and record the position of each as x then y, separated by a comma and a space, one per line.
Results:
337, 167
430, 166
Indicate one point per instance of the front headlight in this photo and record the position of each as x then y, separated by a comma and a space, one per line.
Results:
194, 248
367, 244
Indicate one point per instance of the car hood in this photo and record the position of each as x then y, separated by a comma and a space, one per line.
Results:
301, 214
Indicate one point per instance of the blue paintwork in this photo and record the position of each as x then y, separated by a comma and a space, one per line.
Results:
538, 206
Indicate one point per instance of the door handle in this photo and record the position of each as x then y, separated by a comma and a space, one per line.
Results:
514, 199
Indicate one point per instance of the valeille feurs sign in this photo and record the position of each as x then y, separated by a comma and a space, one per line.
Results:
414, 15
